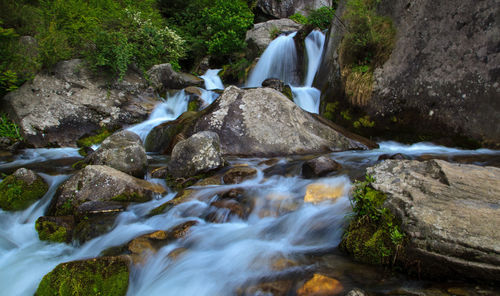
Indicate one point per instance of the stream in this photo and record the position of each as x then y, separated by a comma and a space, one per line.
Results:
222, 258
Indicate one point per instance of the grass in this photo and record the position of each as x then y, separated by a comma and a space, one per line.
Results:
9, 129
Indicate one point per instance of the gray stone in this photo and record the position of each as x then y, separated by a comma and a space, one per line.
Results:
57, 109
260, 36
319, 167
199, 153
122, 151
163, 77
450, 214
96, 183
285, 8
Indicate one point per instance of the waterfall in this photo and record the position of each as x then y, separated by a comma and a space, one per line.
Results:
279, 60
169, 110
314, 46
307, 98
212, 79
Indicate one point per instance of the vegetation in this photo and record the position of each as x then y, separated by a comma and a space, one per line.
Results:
16, 194
88, 141
319, 18
373, 235
102, 276
51, 231
8, 129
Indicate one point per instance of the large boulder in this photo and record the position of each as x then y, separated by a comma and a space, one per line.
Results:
122, 151
100, 186
449, 213
163, 77
261, 35
442, 78
57, 109
264, 122
285, 8
21, 189
98, 276
199, 153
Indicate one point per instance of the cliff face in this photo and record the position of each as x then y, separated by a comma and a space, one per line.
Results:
285, 8
443, 76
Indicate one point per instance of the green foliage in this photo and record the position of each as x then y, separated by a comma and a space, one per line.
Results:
102, 276
370, 37
321, 17
299, 18
364, 122
346, 114
100, 136
236, 72
16, 194
330, 110
373, 235
9, 129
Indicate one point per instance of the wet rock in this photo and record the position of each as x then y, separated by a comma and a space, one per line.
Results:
279, 86
356, 292
319, 167
393, 156
176, 253
21, 189
321, 285
199, 153
55, 229
58, 109
162, 138
317, 192
163, 77
449, 213
160, 173
122, 151
95, 225
181, 197
225, 209
262, 34
212, 180
101, 183
239, 174
98, 276
263, 122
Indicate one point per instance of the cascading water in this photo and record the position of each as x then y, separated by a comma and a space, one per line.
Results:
315, 42
279, 60
212, 79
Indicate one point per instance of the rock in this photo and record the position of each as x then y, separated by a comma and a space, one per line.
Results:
199, 153
122, 151
163, 77
285, 8
181, 197
103, 184
320, 285
261, 35
356, 292
317, 192
162, 137
57, 109
263, 122
224, 210
239, 174
454, 87
319, 167
160, 173
95, 225
98, 276
393, 156
21, 189
55, 229
449, 213
278, 85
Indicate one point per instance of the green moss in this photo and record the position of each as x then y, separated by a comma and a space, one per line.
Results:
193, 106
373, 236
100, 136
81, 164
50, 231
16, 195
287, 91
108, 276
65, 209
130, 197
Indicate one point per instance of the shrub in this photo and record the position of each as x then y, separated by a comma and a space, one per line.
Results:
321, 17
299, 18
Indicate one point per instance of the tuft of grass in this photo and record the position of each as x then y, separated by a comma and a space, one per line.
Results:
9, 129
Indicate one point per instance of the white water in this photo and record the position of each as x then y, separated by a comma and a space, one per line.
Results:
279, 60
169, 110
307, 98
208, 97
315, 42
29, 156
212, 79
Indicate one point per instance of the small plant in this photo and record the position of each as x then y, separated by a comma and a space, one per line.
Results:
299, 18
364, 122
274, 33
9, 129
346, 115
321, 17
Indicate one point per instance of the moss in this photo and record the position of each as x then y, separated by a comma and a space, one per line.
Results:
130, 197
65, 209
182, 183
100, 136
193, 106
81, 164
51, 231
16, 194
287, 91
373, 236
181, 197
102, 276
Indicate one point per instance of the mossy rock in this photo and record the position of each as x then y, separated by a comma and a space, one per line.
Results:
181, 197
55, 229
88, 141
100, 276
161, 138
21, 189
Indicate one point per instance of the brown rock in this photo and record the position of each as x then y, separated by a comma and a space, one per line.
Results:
319, 167
321, 285
239, 174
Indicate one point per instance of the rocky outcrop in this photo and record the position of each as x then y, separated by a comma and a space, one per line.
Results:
442, 78
21, 189
98, 276
163, 77
58, 108
122, 151
449, 213
199, 153
97, 187
285, 8
263, 122
261, 35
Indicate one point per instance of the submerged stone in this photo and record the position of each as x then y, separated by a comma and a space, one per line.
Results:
317, 192
321, 285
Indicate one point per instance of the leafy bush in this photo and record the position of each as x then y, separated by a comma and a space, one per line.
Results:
321, 17
299, 18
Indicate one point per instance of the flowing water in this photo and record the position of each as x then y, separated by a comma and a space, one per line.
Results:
212, 79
